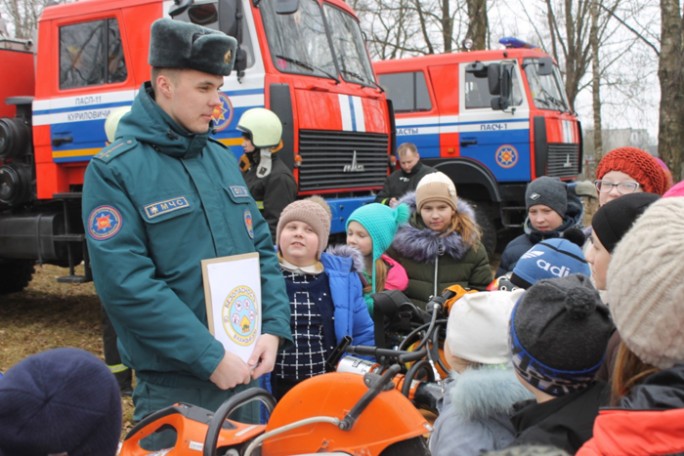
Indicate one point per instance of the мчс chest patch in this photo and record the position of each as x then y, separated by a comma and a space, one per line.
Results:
164, 207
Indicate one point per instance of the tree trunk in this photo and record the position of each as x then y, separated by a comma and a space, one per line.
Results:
478, 25
671, 127
596, 92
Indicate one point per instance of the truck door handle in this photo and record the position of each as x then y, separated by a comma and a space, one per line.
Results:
64, 140
465, 142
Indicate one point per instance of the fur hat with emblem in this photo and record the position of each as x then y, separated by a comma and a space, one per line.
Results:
558, 335
62, 401
313, 211
177, 44
436, 186
639, 165
548, 191
645, 285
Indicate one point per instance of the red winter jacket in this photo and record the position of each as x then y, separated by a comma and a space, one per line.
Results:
650, 421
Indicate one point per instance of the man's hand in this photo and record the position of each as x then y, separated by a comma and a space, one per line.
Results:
393, 202
263, 358
230, 372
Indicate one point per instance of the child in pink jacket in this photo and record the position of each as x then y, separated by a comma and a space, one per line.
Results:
370, 230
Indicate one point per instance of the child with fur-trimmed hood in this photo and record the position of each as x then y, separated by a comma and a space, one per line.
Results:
440, 246
479, 397
325, 293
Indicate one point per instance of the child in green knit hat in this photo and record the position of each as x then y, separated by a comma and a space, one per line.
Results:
371, 229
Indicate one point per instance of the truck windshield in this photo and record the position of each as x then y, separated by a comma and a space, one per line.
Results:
348, 43
298, 41
547, 90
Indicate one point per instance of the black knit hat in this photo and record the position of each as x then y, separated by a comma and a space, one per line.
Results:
559, 331
549, 191
616, 217
176, 44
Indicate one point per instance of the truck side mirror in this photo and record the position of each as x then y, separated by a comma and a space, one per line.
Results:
545, 66
181, 6
500, 79
287, 6
494, 78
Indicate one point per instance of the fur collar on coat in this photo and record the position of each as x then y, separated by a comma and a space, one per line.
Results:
419, 243
347, 251
486, 391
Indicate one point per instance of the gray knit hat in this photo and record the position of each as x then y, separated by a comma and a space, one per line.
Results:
313, 211
549, 191
645, 285
177, 44
558, 334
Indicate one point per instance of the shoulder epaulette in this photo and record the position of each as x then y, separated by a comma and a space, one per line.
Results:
117, 148
216, 141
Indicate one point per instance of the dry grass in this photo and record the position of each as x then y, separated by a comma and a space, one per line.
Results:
49, 314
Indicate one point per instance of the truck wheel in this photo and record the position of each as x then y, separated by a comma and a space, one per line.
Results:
15, 275
485, 218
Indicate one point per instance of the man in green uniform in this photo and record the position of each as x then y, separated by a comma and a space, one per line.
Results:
158, 200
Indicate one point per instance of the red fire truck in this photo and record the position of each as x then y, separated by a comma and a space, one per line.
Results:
492, 120
304, 59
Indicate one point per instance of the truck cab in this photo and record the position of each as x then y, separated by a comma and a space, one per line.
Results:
491, 120
303, 59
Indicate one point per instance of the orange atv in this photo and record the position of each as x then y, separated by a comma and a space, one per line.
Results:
335, 413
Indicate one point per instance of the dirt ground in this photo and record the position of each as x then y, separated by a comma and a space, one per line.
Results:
49, 314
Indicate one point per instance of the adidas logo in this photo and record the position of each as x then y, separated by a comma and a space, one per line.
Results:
561, 271
532, 254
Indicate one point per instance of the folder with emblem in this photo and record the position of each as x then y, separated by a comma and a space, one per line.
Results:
232, 291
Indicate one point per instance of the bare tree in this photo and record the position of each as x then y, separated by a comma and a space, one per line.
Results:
595, 88
22, 16
671, 76
478, 23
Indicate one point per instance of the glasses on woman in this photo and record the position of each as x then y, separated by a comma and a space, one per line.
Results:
622, 187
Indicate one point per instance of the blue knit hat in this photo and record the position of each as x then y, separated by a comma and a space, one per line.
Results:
551, 258
382, 223
60, 401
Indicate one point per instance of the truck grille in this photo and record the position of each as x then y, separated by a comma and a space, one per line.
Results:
328, 160
563, 160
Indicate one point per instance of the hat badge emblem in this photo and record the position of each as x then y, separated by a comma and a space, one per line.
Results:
227, 57
535, 196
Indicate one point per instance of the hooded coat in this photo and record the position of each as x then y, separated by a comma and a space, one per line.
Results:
475, 415
168, 199
650, 420
433, 261
521, 244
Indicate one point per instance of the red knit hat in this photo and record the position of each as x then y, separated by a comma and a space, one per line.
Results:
638, 164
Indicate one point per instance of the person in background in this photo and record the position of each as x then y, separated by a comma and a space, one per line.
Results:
325, 293
645, 290
551, 210
479, 397
60, 402
370, 231
123, 374
440, 246
558, 334
268, 178
405, 179
628, 170
160, 199
611, 222
587, 193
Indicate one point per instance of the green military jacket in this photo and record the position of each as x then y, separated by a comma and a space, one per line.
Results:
156, 202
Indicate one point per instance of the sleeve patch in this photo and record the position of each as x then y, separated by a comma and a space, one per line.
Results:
104, 222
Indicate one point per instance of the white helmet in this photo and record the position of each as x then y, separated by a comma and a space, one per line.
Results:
112, 122
262, 126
